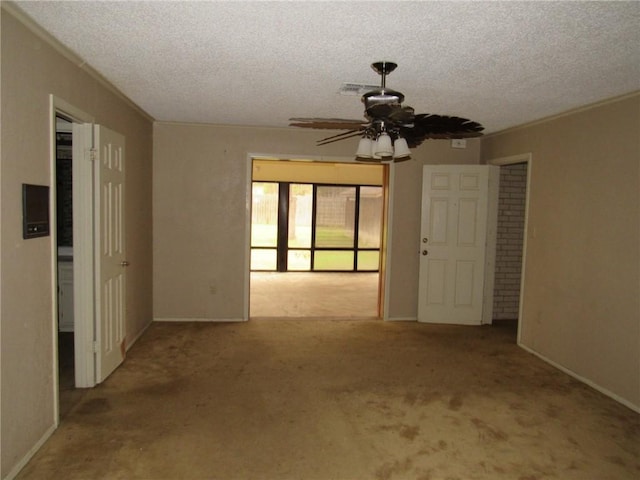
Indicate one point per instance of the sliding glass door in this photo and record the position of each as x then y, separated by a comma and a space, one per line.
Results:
315, 227
264, 226
300, 227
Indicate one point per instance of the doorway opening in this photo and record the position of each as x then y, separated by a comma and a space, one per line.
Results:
71, 326
511, 241
67, 393
316, 239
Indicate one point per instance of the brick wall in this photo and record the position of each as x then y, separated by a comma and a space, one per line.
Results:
511, 204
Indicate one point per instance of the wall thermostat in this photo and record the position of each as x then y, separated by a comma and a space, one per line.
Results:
35, 211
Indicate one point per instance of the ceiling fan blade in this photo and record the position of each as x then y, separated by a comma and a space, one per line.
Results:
403, 116
393, 114
443, 124
401, 159
427, 126
320, 119
327, 123
342, 136
384, 113
339, 135
380, 111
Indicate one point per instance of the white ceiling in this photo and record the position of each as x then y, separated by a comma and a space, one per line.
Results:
259, 63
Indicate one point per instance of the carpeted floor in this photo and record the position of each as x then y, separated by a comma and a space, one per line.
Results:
348, 399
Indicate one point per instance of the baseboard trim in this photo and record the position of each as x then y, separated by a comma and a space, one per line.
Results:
138, 335
23, 462
185, 320
401, 319
586, 381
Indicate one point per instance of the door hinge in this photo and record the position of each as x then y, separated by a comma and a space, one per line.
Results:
93, 154
95, 346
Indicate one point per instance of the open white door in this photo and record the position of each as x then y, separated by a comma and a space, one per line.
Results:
109, 244
99, 252
455, 284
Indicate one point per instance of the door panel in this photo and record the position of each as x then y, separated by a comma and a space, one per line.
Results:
464, 283
467, 222
454, 241
110, 251
438, 227
436, 279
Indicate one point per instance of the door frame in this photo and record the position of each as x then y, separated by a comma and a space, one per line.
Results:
385, 247
511, 160
84, 363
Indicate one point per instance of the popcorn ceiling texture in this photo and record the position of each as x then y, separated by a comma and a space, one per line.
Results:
260, 63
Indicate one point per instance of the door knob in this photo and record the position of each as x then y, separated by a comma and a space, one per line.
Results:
425, 240
424, 252
124, 263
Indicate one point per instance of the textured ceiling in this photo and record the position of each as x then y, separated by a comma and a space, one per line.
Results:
259, 63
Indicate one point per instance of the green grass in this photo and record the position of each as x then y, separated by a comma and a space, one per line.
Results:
333, 237
325, 260
266, 236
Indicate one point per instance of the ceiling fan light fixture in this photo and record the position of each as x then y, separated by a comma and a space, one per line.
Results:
384, 147
365, 149
401, 149
385, 119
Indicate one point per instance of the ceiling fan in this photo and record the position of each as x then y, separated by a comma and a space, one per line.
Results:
390, 129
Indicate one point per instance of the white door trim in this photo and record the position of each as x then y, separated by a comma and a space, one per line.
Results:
247, 236
511, 160
83, 367
391, 181
493, 195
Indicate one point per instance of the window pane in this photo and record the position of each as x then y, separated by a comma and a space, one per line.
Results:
264, 214
335, 216
299, 260
263, 259
300, 214
369, 260
370, 219
333, 260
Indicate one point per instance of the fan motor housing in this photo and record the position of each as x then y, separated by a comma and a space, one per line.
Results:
382, 96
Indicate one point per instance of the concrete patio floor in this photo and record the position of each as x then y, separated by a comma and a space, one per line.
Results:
314, 294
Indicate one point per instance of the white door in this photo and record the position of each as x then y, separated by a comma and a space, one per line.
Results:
109, 253
457, 244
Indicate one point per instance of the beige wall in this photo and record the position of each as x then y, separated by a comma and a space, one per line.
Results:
31, 70
200, 212
581, 307
582, 275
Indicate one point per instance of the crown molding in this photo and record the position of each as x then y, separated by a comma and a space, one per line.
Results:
15, 11
566, 113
